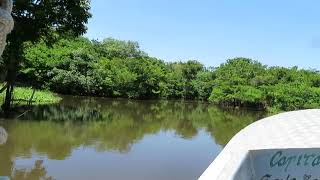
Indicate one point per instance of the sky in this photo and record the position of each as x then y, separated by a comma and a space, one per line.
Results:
274, 32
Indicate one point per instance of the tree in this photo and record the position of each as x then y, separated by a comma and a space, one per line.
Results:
237, 83
113, 48
179, 79
41, 19
203, 84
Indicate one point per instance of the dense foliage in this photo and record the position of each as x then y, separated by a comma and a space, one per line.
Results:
39, 20
114, 68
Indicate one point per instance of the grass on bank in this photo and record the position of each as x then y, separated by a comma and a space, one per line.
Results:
23, 94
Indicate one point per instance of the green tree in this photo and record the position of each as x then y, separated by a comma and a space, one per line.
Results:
42, 19
174, 85
113, 48
238, 83
204, 83
179, 79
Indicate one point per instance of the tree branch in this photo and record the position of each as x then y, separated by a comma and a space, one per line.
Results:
4, 88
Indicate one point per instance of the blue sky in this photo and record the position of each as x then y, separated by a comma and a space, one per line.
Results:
275, 32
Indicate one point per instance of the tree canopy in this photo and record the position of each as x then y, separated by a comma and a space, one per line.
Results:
45, 18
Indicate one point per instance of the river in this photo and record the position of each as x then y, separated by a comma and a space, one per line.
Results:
97, 138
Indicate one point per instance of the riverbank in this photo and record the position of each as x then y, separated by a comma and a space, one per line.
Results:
23, 94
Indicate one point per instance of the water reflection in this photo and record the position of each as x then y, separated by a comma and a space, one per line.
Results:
56, 131
3, 136
38, 171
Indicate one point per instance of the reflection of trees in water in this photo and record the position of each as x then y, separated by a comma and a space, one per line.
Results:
225, 124
116, 125
7, 168
38, 172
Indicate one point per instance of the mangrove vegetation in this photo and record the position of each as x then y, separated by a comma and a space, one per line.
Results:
120, 69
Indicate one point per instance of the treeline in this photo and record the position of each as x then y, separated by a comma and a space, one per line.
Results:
114, 68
